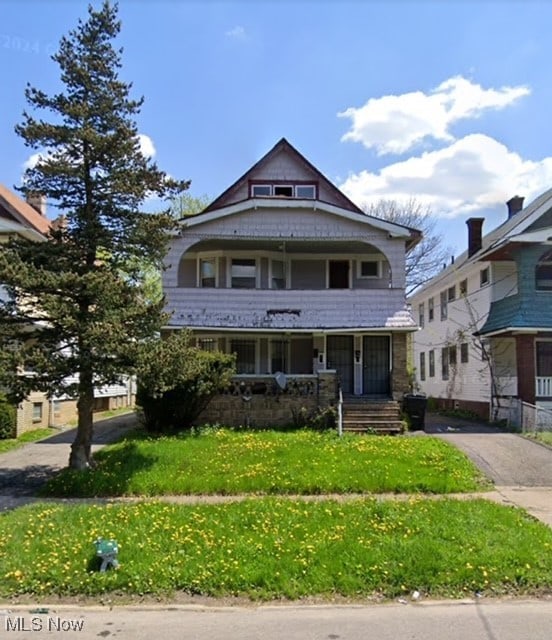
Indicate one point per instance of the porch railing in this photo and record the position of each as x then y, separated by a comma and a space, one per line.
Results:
340, 413
543, 387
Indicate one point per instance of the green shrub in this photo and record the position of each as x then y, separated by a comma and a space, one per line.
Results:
316, 419
176, 381
8, 417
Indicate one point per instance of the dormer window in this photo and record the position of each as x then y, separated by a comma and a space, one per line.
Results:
300, 191
261, 190
306, 191
285, 191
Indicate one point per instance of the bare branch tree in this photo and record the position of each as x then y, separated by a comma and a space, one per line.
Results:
427, 258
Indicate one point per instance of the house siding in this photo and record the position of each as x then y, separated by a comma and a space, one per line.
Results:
289, 223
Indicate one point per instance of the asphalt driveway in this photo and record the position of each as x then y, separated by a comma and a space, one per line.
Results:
24, 470
508, 459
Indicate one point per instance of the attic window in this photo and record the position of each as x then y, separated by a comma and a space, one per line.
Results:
261, 190
302, 191
306, 191
283, 190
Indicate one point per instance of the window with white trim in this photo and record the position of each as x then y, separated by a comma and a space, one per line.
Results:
277, 274
37, 411
208, 272
305, 191
422, 366
444, 302
368, 269
243, 273
421, 316
484, 277
543, 273
259, 190
283, 190
430, 310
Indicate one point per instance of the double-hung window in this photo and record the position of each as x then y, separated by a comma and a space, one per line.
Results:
243, 273
208, 272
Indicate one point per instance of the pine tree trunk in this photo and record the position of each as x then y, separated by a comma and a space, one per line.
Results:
80, 457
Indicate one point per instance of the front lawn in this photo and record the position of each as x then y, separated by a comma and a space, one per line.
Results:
278, 548
271, 462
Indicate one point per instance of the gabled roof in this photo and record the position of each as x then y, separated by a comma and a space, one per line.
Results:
496, 238
228, 202
283, 145
22, 212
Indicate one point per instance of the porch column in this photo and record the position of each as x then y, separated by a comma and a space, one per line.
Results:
399, 371
525, 357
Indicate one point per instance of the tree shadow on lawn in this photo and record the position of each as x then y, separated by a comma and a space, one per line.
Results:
111, 476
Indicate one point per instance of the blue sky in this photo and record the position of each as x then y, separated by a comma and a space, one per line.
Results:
447, 102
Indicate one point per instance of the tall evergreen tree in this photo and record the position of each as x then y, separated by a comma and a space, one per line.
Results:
77, 303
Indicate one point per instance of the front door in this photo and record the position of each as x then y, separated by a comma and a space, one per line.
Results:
375, 365
339, 356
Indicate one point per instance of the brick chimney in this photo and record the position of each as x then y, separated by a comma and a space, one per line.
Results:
475, 235
515, 205
37, 202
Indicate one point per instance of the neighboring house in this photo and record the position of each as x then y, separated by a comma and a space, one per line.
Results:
486, 319
28, 219
286, 272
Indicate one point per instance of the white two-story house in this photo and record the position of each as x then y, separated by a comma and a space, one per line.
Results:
283, 270
486, 320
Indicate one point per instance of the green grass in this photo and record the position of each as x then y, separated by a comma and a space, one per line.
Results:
278, 548
29, 436
543, 436
271, 462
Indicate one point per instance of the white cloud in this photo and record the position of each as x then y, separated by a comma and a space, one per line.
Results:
396, 123
236, 33
146, 145
473, 173
32, 160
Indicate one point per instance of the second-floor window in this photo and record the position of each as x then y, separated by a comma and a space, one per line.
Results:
444, 307
243, 273
543, 273
368, 269
277, 275
484, 277
208, 272
421, 318
464, 352
430, 310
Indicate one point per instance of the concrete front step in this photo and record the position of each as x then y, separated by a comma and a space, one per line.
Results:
371, 416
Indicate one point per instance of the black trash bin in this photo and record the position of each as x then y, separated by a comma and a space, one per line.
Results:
414, 406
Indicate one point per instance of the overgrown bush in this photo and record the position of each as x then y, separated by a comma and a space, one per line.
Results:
8, 417
316, 419
176, 381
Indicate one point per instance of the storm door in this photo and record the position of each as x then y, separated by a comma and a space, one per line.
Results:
340, 357
375, 365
